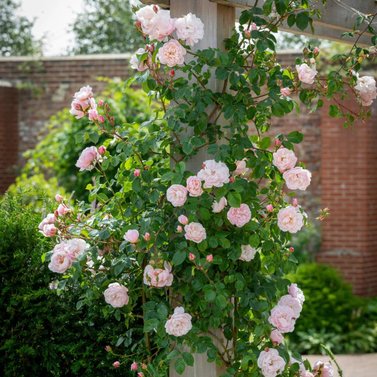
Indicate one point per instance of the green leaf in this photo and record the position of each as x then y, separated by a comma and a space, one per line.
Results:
234, 199
295, 137
180, 366
179, 257
302, 20
189, 359
291, 20
150, 324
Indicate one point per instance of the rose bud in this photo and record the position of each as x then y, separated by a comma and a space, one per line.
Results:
277, 143
192, 257
100, 102
134, 366
183, 219
116, 364
137, 173
270, 208
179, 229
101, 119
295, 202
58, 198
209, 258
147, 236
291, 249
102, 150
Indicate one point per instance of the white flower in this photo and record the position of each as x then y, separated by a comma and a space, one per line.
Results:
189, 28
306, 74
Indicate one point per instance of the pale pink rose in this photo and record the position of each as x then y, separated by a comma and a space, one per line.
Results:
176, 195
77, 110
61, 260
85, 93
277, 143
285, 92
189, 28
209, 258
158, 277
58, 198
172, 53
136, 63
195, 232
306, 74
276, 337
322, 369
283, 318
217, 207
290, 219
116, 364
239, 216
194, 186
183, 219
293, 303
134, 366
145, 15
63, 209
49, 219
270, 208
93, 114
271, 363
297, 178
132, 236
248, 253
116, 295
161, 26
366, 87
75, 247
179, 323
284, 159
214, 174
306, 373
49, 230
296, 292
241, 169
88, 158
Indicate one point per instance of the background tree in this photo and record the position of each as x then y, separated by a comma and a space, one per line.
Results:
105, 27
16, 32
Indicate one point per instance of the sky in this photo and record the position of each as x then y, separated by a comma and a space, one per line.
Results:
52, 20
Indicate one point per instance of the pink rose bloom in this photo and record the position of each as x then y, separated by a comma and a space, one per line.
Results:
93, 114
293, 303
296, 292
161, 25
306, 74
195, 232
284, 159
134, 366
322, 369
145, 15
58, 198
63, 209
116, 295
285, 92
189, 28
172, 53
77, 110
179, 323
176, 195
194, 186
283, 318
248, 253
241, 169
116, 364
85, 93
75, 247
49, 230
239, 216
270, 208
290, 219
276, 337
183, 219
132, 236
366, 87
88, 158
297, 178
217, 207
214, 174
306, 373
49, 219
158, 277
61, 260
135, 63
271, 363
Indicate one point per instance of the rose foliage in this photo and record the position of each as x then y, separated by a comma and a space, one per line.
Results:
189, 241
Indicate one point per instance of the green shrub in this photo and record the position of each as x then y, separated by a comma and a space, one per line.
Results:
43, 333
332, 314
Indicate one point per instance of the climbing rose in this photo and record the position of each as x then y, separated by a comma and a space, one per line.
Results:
49, 230
84, 93
189, 28
136, 63
88, 158
324, 369
283, 318
176, 195
290, 219
284, 159
58, 198
366, 86
145, 15
306, 74
306, 373
220, 205
134, 366
161, 25
195, 232
297, 178
292, 302
271, 363
183, 219
62, 209
248, 253
48, 220
116, 364
158, 277
116, 295
285, 92
276, 337
171, 53
179, 323
132, 236
214, 174
296, 292
194, 186
239, 216
241, 169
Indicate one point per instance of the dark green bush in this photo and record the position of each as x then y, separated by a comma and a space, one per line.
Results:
43, 333
332, 314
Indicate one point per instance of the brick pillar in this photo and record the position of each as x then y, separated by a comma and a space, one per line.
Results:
349, 189
8, 136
